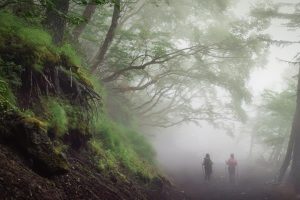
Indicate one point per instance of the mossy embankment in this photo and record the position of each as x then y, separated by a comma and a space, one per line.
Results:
56, 140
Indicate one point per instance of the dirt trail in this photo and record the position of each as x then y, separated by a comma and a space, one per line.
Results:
18, 181
252, 184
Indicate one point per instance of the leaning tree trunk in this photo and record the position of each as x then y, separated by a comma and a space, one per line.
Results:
295, 168
87, 15
288, 156
99, 58
56, 20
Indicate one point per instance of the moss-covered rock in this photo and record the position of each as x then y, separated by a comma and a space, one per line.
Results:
30, 136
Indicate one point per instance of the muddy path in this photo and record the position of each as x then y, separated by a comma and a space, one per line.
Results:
252, 183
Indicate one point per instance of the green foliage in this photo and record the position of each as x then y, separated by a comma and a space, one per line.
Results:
119, 146
9, 78
35, 36
225, 50
11, 73
69, 51
58, 119
63, 116
11, 25
106, 160
57, 116
36, 40
22, 37
98, 87
274, 120
7, 98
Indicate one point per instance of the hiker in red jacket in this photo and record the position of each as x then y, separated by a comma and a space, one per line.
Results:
231, 163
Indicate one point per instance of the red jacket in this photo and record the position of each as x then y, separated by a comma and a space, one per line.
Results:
231, 162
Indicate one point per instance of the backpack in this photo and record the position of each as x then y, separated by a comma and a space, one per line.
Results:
207, 162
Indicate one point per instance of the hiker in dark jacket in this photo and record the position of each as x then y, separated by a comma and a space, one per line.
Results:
207, 164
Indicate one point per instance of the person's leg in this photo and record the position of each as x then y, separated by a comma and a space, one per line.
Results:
231, 175
209, 173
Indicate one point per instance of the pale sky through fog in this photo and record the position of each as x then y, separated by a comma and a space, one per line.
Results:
270, 75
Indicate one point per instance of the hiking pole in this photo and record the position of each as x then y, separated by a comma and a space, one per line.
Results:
237, 173
225, 174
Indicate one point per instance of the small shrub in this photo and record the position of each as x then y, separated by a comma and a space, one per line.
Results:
57, 116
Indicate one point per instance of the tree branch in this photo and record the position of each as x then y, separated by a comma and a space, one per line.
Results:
157, 60
99, 58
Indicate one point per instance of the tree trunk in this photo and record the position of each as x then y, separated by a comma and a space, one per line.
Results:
271, 155
99, 58
87, 15
288, 156
277, 154
6, 3
251, 145
55, 20
295, 168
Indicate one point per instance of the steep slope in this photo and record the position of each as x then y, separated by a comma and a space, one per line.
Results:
83, 181
55, 140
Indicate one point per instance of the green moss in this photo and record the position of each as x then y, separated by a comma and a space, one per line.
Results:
84, 76
38, 67
56, 115
122, 149
47, 55
58, 119
35, 36
6, 93
32, 47
7, 98
40, 43
106, 159
98, 87
11, 25
69, 51
33, 120
63, 116
33, 40
60, 148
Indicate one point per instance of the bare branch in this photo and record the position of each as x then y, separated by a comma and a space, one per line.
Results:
158, 60
160, 93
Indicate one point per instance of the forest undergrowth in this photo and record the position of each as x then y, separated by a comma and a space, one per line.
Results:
52, 107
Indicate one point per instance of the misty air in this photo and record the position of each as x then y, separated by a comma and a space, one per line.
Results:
149, 100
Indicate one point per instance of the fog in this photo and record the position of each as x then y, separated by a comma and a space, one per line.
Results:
184, 146
181, 149
180, 152
159, 85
